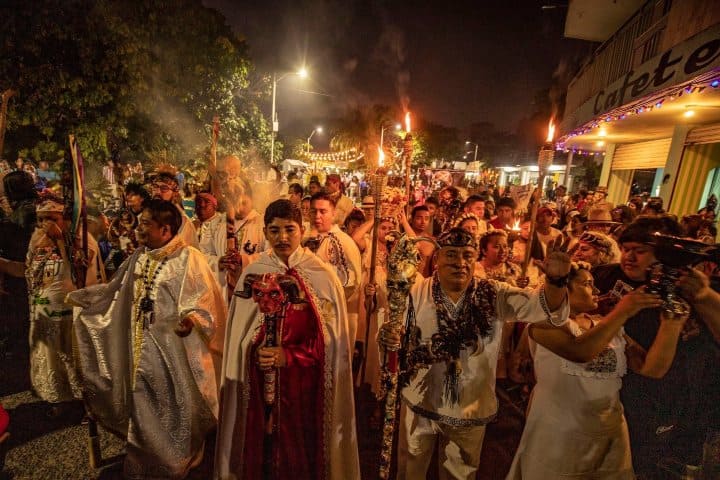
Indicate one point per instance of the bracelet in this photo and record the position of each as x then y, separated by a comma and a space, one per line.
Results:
560, 282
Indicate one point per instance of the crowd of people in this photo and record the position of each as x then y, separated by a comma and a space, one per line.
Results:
190, 312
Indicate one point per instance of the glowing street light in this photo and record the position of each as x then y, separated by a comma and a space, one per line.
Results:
318, 130
468, 142
302, 73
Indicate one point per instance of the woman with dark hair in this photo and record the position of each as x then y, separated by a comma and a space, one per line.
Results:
575, 426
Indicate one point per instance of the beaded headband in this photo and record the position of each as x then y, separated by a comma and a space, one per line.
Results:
457, 237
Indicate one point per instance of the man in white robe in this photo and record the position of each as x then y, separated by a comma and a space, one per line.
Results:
338, 250
451, 392
335, 454
147, 346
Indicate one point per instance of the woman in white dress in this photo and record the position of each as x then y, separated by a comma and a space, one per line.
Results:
575, 426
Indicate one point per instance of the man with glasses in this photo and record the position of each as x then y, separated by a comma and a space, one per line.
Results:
164, 186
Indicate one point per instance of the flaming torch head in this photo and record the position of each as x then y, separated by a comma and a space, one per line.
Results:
547, 152
407, 122
551, 132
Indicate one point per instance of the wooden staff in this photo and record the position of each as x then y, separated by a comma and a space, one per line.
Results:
545, 158
379, 180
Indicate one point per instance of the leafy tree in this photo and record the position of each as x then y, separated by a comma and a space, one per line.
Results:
132, 80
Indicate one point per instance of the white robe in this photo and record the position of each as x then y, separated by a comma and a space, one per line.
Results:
344, 258
244, 320
166, 402
250, 237
52, 369
187, 229
212, 242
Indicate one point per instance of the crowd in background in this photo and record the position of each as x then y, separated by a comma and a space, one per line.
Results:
667, 397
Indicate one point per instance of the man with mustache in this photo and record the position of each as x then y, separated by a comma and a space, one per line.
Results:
308, 430
667, 417
454, 321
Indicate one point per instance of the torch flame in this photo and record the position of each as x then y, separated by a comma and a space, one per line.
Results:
407, 122
515, 227
381, 157
551, 131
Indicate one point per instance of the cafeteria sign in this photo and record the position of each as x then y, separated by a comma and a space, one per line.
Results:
683, 62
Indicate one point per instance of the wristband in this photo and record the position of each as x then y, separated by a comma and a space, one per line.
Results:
560, 282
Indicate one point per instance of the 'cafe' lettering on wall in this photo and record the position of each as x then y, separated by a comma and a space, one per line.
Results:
691, 58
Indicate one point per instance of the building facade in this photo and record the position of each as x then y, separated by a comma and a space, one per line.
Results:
648, 98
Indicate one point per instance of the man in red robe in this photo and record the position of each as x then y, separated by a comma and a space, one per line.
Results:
307, 431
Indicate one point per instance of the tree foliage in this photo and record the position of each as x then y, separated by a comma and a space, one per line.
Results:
133, 80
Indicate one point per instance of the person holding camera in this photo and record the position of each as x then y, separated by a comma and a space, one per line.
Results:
575, 426
667, 417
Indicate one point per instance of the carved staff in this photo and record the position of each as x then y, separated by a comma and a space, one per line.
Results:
545, 158
378, 181
272, 292
402, 269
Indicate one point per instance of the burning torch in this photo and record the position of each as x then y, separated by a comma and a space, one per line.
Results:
378, 181
545, 158
407, 152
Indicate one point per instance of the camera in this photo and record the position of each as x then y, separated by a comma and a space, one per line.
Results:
675, 255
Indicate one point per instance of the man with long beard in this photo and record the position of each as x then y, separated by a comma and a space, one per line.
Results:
308, 430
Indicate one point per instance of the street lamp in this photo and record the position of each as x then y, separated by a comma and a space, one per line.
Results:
302, 73
468, 142
398, 127
318, 130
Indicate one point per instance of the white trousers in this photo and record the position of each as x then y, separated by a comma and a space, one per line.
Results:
459, 452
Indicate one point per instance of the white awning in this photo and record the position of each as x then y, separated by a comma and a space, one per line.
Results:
291, 163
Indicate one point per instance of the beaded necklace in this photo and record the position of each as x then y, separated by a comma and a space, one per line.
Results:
459, 326
145, 306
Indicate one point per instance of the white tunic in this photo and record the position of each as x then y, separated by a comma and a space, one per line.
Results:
478, 404
341, 252
576, 427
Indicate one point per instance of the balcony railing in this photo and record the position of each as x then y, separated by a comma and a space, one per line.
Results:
637, 41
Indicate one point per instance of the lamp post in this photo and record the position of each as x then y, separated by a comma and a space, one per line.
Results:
302, 73
318, 130
468, 142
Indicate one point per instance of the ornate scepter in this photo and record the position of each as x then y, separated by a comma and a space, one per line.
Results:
402, 268
545, 158
378, 181
272, 292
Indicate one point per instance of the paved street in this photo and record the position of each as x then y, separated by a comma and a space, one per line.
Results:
43, 448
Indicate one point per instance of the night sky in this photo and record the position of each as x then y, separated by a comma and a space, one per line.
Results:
453, 62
